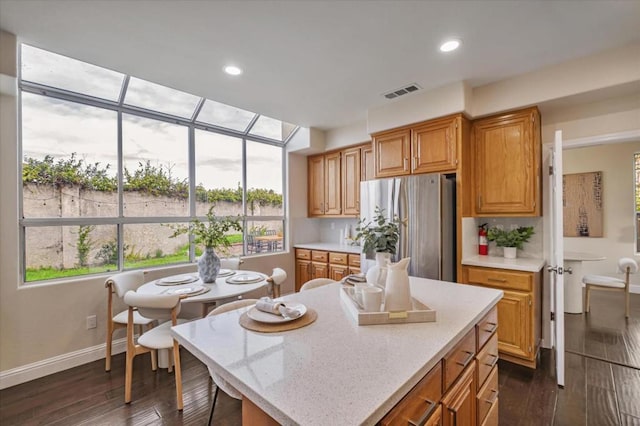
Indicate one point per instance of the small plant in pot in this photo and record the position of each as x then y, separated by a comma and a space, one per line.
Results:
510, 240
380, 236
212, 234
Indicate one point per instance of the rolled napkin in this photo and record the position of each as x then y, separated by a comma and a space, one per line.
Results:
270, 306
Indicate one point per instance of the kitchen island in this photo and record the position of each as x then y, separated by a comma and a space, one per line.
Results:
333, 371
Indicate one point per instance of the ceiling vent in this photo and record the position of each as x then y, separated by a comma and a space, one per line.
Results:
403, 91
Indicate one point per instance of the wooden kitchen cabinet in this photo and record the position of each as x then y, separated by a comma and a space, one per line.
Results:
428, 147
311, 264
459, 403
506, 162
325, 186
333, 185
519, 310
303, 272
368, 167
351, 181
316, 182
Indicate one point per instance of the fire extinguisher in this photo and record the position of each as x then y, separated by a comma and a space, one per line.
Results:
483, 243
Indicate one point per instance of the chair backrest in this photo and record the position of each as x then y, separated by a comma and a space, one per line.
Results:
278, 276
231, 306
231, 263
155, 306
316, 282
627, 262
125, 281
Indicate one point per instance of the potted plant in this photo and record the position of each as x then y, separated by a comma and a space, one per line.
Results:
212, 234
510, 240
379, 236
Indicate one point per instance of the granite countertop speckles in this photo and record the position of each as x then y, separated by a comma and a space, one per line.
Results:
333, 371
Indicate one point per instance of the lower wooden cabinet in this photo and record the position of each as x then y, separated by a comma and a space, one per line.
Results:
459, 403
338, 272
311, 264
514, 311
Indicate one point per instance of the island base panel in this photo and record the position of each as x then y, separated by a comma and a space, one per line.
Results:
252, 415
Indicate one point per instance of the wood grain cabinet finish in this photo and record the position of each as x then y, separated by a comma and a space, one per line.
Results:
368, 166
458, 358
338, 272
311, 264
507, 164
487, 359
459, 403
427, 147
303, 272
316, 182
487, 396
333, 184
351, 181
519, 310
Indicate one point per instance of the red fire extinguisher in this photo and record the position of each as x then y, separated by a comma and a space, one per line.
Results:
483, 243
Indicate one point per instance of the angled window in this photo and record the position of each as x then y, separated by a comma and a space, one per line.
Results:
57, 71
268, 128
154, 97
226, 116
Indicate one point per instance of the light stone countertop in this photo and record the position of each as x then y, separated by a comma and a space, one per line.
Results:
332, 371
528, 264
331, 247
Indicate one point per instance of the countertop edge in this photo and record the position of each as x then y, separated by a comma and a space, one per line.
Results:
527, 264
330, 247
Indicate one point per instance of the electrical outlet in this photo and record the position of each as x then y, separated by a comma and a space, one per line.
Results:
92, 322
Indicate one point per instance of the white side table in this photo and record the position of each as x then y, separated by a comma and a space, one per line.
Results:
573, 281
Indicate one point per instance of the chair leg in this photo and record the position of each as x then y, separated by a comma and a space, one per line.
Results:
178, 375
213, 406
588, 301
154, 360
107, 362
626, 304
128, 377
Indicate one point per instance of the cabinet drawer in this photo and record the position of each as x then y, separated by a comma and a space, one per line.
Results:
486, 327
492, 417
420, 403
501, 278
303, 254
459, 357
319, 256
338, 258
354, 260
488, 396
487, 359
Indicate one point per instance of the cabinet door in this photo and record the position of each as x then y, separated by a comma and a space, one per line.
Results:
338, 272
319, 270
514, 317
303, 272
368, 166
333, 184
391, 153
507, 164
351, 181
316, 185
434, 146
459, 404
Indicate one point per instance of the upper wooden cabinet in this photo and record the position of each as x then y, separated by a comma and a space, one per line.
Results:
334, 182
431, 146
506, 164
368, 167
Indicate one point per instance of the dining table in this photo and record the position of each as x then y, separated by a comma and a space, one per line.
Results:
573, 303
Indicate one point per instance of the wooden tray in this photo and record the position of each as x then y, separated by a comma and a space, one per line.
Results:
419, 313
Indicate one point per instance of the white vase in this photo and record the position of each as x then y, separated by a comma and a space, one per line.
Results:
397, 295
208, 266
377, 274
510, 252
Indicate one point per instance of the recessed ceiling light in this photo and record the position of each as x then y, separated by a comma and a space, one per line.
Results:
232, 70
449, 45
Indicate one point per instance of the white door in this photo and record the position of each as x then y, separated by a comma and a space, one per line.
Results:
556, 267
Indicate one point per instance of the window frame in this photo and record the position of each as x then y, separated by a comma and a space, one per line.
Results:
636, 203
121, 220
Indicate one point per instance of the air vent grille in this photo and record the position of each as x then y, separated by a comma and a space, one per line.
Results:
402, 91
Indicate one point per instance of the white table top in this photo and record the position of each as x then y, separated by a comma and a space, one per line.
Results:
333, 371
528, 264
578, 256
218, 290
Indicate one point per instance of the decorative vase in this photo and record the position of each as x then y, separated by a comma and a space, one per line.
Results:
397, 292
377, 274
208, 265
510, 252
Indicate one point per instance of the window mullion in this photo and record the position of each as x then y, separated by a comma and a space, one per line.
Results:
192, 186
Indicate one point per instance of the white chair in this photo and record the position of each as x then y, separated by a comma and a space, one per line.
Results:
316, 282
162, 307
219, 381
228, 263
597, 282
125, 281
278, 276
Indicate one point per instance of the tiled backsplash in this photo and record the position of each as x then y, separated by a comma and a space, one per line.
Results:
533, 248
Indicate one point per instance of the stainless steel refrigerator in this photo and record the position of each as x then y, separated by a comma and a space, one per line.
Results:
427, 202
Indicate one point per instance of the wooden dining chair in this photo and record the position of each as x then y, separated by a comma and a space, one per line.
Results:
217, 379
597, 282
278, 276
163, 307
120, 284
228, 263
316, 282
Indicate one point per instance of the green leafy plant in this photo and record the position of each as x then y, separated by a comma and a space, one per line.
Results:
213, 232
514, 238
84, 244
379, 235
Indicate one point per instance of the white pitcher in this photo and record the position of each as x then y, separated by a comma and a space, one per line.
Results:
397, 292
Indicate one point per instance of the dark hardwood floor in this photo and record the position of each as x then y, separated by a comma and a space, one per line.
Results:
596, 392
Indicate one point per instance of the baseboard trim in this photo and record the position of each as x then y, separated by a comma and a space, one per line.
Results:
28, 372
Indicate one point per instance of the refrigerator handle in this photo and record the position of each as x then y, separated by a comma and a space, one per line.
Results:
402, 210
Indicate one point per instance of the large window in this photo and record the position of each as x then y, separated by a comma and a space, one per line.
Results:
637, 199
112, 164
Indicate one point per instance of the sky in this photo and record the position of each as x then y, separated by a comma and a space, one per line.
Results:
59, 128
